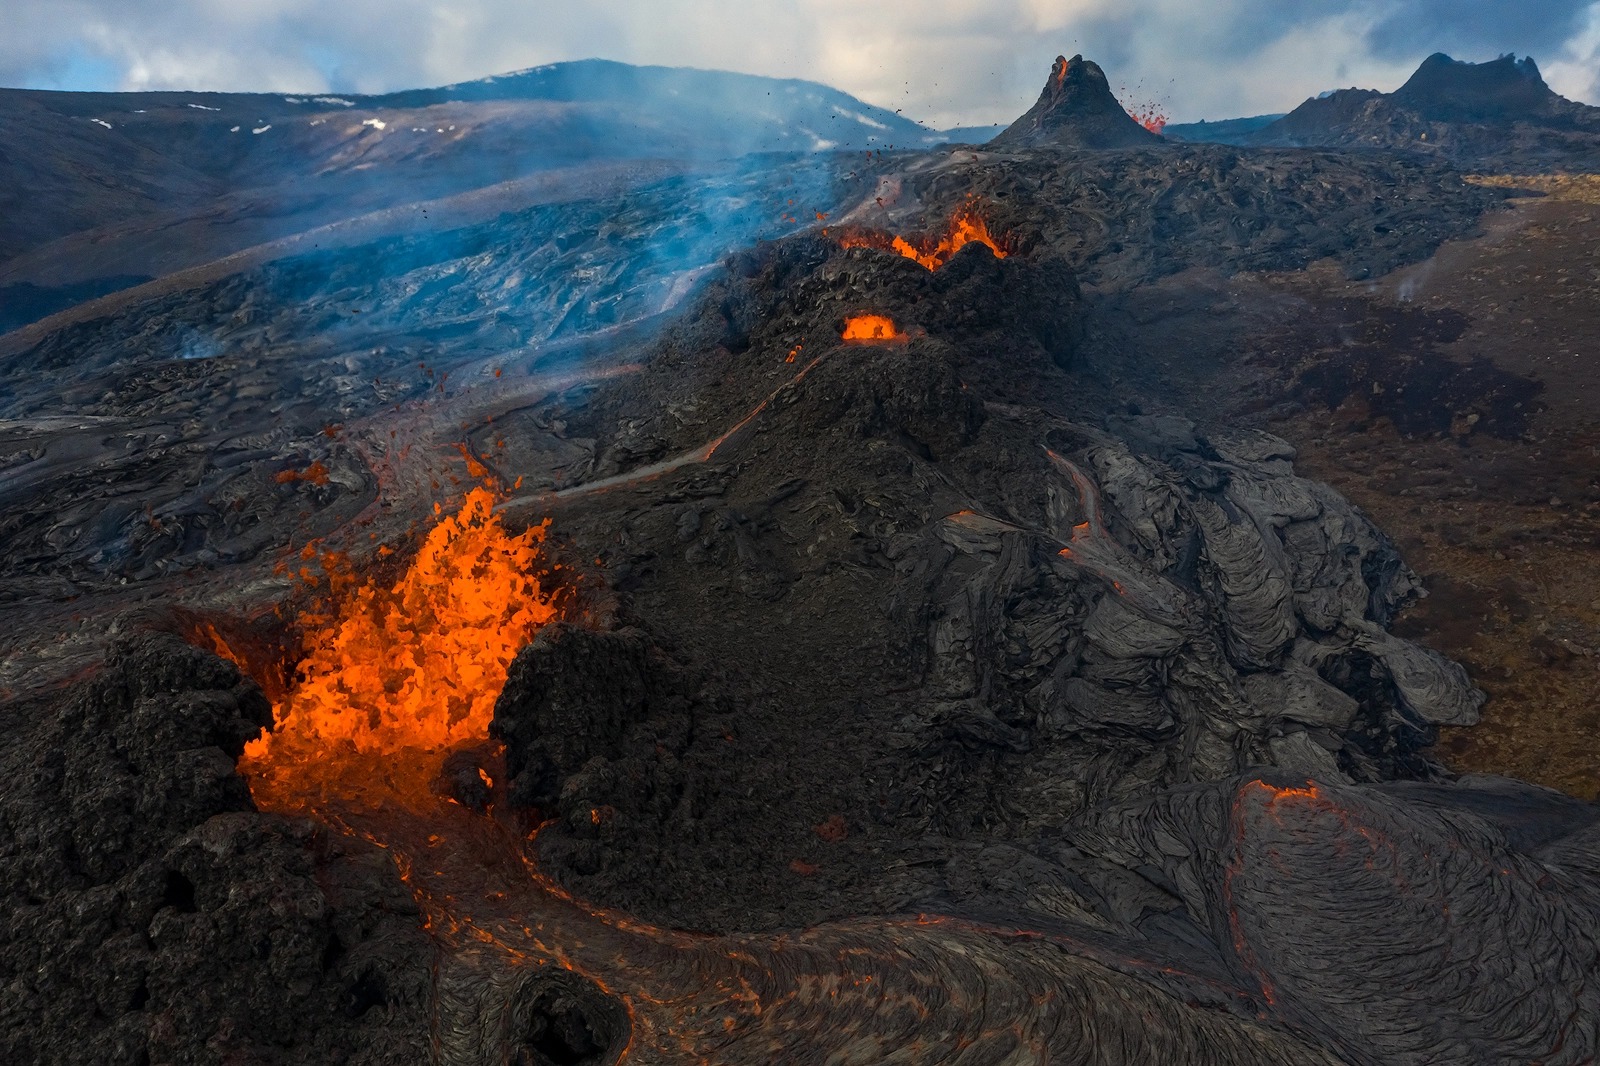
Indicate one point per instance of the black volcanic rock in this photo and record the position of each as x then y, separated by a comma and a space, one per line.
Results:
1077, 110
923, 518
148, 913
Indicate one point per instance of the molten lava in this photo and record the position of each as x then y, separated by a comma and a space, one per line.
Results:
870, 328
967, 226
400, 675
316, 473
1149, 117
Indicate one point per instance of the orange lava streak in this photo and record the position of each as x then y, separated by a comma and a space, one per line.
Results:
400, 675
967, 226
316, 473
870, 328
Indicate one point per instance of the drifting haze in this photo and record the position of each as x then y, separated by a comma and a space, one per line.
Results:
943, 62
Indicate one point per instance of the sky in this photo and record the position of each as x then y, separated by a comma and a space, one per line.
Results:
942, 62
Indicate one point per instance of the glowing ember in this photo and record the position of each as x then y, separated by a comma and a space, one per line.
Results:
870, 328
966, 227
401, 675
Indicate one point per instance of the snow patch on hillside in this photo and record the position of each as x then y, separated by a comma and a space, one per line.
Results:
865, 120
818, 143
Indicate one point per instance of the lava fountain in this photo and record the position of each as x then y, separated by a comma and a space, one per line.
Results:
399, 675
1149, 116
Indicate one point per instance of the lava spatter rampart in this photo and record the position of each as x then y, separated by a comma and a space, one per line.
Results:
967, 226
398, 675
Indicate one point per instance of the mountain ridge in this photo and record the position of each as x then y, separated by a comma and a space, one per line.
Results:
1497, 113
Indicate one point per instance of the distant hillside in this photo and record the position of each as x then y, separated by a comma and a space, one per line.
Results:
127, 186
1220, 131
1499, 113
972, 134
734, 112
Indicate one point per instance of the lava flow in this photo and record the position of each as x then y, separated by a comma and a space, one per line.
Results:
870, 328
967, 226
399, 675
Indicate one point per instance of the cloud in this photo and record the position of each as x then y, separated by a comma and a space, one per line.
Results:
944, 62
1575, 70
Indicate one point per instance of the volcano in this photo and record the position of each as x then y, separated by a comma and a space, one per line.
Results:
636, 625
1076, 109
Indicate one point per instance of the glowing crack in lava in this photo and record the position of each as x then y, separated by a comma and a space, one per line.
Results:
400, 675
870, 328
967, 226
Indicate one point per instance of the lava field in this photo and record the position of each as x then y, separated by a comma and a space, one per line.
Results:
847, 607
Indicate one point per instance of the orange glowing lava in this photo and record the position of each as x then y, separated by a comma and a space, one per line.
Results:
870, 328
316, 473
401, 674
967, 226
1149, 117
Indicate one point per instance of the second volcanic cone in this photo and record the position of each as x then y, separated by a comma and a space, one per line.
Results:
1076, 110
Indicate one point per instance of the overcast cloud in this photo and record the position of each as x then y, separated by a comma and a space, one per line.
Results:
943, 62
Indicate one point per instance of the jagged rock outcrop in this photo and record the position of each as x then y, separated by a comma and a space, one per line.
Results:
149, 914
1076, 109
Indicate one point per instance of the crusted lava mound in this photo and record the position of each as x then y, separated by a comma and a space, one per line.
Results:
1076, 109
1500, 113
1023, 613
1122, 682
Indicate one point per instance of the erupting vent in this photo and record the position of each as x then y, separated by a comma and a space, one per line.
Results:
399, 675
1149, 117
870, 328
967, 226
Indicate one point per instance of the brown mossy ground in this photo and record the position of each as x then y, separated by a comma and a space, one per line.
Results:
1506, 532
